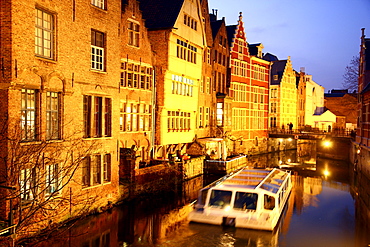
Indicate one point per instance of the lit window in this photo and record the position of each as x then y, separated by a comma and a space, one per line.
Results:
133, 34
96, 170
27, 183
97, 50
44, 34
98, 3
53, 179
28, 114
97, 115
52, 116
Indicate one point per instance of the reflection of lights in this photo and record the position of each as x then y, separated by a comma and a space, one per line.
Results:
227, 208
327, 143
280, 140
358, 151
290, 139
289, 160
280, 162
326, 173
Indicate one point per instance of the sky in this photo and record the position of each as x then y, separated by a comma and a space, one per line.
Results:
322, 36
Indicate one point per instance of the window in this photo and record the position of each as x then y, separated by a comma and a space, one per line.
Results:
273, 107
133, 33
136, 76
186, 51
245, 200
27, 183
53, 179
273, 122
28, 114
219, 114
135, 117
107, 168
98, 3
52, 116
274, 93
201, 117
97, 50
178, 121
190, 22
206, 118
96, 170
95, 125
44, 34
182, 86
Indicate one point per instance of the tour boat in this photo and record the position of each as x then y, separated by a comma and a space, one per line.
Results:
249, 198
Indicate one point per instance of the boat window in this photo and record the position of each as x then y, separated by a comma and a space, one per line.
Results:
220, 198
269, 202
244, 201
202, 196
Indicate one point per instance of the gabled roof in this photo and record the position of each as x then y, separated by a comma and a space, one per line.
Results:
215, 25
160, 14
277, 68
270, 57
230, 33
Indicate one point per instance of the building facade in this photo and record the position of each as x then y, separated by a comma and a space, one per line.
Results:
310, 101
59, 137
283, 95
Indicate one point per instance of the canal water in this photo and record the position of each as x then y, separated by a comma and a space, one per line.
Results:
324, 209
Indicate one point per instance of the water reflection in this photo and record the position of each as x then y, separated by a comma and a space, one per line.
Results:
321, 211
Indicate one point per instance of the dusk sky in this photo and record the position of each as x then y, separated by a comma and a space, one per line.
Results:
320, 35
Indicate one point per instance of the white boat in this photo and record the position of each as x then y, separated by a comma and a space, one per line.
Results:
250, 198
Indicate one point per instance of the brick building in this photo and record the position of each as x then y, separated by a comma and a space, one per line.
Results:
60, 75
249, 83
136, 86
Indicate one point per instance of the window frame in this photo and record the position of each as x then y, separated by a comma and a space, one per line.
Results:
53, 128
44, 34
29, 114
97, 116
53, 178
98, 44
101, 4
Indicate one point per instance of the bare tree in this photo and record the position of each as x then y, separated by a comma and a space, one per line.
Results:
350, 76
36, 180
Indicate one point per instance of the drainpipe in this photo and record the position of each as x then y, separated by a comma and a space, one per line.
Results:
153, 102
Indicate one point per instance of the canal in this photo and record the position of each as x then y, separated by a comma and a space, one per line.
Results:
324, 209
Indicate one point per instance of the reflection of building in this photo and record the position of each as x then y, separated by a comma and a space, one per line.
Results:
305, 191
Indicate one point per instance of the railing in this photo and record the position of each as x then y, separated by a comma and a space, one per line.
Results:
313, 131
224, 166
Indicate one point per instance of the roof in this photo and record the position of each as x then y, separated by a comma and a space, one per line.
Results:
215, 25
230, 33
277, 68
253, 49
270, 57
160, 14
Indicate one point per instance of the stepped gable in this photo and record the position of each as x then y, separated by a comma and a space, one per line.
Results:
278, 68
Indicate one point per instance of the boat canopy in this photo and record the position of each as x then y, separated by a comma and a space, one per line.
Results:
270, 181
